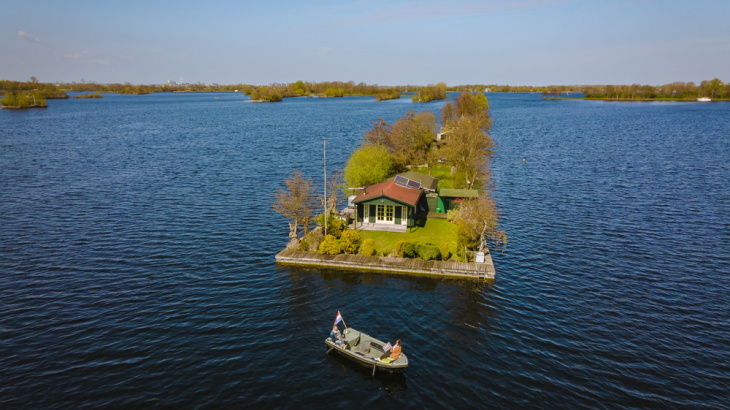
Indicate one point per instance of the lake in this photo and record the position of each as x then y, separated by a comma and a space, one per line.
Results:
137, 263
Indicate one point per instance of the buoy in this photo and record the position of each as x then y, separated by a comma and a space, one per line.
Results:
523, 159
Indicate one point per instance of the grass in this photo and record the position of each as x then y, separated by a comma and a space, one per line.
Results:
434, 231
442, 172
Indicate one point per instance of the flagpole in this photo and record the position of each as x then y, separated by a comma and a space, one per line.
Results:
343, 321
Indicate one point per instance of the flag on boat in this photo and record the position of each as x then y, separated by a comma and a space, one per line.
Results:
338, 319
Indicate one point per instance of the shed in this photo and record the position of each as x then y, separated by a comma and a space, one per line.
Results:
451, 198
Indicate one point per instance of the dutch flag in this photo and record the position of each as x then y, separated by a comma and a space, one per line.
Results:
338, 319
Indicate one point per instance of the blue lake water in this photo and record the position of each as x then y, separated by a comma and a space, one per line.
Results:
137, 261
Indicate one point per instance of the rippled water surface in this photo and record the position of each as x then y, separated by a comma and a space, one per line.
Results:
137, 261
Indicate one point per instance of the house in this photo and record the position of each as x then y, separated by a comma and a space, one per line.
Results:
451, 198
387, 206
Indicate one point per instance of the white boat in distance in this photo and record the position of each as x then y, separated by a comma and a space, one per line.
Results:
704, 99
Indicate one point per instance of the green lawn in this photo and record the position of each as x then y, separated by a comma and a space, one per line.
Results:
434, 231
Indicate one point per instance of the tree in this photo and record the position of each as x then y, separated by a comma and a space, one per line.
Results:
469, 149
33, 80
368, 165
296, 202
409, 139
478, 220
714, 86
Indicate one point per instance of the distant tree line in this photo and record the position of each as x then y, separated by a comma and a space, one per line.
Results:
715, 89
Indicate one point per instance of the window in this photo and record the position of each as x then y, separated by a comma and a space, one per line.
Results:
389, 212
381, 212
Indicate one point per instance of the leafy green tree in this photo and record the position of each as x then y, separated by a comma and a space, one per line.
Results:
368, 165
714, 86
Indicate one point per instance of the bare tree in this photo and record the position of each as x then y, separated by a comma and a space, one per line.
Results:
469, 149
296, 202
479, 220
334, 185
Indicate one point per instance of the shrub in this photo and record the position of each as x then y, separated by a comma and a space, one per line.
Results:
314, 238
335, 226
451, 215
399, 248
350, 241
410, 249
428, 251
330, 246
387, 251
303, 245
368, 247
444, 248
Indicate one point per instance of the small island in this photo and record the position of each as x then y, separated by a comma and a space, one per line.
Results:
418, 200
431, 93
389, 94
22, 100
92, 95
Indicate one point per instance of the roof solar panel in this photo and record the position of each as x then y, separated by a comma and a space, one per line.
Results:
401, 180
414, 184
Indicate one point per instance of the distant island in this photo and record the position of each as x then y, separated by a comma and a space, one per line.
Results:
23, 99
389, 94
431, 93
92, 95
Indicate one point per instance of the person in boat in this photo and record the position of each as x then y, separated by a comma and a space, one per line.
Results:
337, 336
394, 351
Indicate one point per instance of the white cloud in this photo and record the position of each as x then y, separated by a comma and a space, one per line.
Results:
27, 37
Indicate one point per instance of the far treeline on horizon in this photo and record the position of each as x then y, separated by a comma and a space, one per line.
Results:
26, 94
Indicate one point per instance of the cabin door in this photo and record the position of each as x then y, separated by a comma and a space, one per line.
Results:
398, 214
371, 219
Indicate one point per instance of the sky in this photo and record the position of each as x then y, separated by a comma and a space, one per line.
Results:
515, 42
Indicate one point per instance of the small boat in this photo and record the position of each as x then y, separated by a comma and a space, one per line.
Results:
704, 99
217, 98
367, 350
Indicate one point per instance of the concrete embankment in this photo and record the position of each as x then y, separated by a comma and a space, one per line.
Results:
400, 265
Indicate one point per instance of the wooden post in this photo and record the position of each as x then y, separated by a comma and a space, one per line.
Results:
375, 367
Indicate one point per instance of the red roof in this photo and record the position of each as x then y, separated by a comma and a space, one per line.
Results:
391, 190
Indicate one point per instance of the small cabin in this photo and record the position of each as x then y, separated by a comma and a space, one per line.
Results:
387, 205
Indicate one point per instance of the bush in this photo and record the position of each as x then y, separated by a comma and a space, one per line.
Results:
303, 245
335, 226
314, 238
444, 248
451, 215
428, 251
399, 248
410, 249
350, 241
368, 247
330, 246
386, 251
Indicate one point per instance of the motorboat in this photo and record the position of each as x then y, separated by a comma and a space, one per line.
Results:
704, 99
367, 350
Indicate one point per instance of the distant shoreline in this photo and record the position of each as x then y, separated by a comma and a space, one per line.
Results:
636, 99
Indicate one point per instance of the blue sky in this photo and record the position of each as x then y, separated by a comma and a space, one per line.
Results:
516, 42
